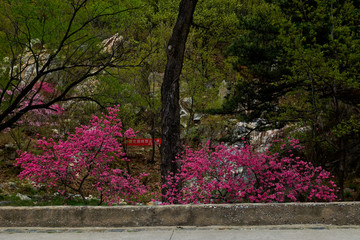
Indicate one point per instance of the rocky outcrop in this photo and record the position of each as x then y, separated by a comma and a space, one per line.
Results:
252, 132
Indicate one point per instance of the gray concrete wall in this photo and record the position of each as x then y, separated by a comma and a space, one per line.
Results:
344, 213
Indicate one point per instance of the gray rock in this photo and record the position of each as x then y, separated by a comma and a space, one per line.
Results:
223, 90
23, 197
12, 185
198, 117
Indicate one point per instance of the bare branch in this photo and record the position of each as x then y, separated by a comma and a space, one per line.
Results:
83, 99
45, 64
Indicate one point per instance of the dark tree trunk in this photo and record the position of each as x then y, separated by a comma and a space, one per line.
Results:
170, 111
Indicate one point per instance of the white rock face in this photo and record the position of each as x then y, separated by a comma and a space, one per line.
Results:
110, 44
260, 139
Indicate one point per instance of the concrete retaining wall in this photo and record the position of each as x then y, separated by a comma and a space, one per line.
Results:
347, 213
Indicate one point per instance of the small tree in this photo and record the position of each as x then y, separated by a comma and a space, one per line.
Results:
231, 175
58, 42
90, 155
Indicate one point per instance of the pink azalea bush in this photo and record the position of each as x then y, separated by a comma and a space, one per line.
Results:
233, 175
90, 155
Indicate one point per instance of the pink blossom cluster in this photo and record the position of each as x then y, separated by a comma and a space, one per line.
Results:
91, 155
40, 117
37, 96
232, 175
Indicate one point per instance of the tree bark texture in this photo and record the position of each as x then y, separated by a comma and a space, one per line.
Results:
170, 110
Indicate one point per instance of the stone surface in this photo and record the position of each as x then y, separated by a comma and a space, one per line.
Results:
297, 232
345, 213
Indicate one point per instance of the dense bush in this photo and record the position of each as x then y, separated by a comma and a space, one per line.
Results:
91, 156
231, 175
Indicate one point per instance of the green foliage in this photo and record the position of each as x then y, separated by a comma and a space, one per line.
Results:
60, 43
259, 59
351, 127
137, 90
322, 48
45, 200
300, 63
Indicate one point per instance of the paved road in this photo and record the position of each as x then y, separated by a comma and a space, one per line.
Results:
303, 232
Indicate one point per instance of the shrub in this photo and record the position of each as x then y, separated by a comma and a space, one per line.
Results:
232, 175
90, 155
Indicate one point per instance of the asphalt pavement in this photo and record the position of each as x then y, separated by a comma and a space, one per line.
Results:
285, 232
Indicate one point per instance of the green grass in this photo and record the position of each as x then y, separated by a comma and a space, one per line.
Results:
13, 200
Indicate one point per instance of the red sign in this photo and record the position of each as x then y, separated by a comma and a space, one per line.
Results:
142, 142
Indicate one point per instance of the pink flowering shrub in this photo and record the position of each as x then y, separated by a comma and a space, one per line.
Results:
232, 175
89, 156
